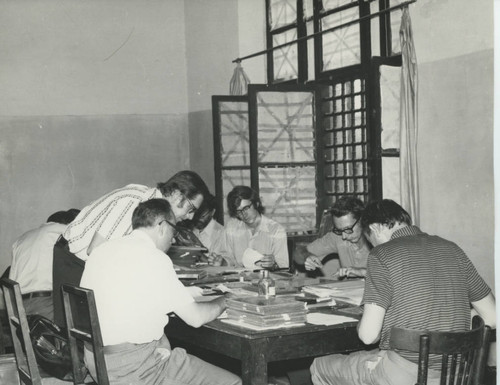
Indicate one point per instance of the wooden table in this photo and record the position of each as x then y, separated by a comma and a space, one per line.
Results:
255, 349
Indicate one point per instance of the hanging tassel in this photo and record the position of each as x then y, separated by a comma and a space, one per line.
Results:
239, 82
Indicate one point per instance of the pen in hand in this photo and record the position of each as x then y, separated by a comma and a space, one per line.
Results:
313, 263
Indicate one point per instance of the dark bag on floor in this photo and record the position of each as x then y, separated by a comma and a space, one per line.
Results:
52, 350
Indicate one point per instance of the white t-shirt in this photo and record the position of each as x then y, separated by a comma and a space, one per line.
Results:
32, 256
135, 287
212, 237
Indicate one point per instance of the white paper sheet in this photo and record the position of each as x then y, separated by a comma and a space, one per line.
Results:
328, 319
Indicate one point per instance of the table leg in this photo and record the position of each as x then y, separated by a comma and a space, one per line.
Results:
254, 362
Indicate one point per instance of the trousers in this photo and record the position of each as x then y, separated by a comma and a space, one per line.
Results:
154, 363
375, 367
66, 268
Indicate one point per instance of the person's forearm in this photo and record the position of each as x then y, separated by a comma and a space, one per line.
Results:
213, 309
486, 308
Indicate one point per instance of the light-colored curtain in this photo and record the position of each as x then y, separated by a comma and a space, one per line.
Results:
409, 121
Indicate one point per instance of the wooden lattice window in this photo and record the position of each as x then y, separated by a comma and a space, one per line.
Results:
285, 25
270, 143
345, 139
326, 125
286, 154
312, 39
231, 146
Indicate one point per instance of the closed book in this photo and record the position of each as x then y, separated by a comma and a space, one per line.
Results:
267, 320
266, 306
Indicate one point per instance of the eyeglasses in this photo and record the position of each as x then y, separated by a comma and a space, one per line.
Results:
244, 210
347, 230
176, 230
192, 208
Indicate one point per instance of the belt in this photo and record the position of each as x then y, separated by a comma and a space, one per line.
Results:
36, 294
111, 349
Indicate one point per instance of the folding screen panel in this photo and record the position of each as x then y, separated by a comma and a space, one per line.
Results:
269, 141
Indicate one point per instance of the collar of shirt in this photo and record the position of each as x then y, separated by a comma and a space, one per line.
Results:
264, 224
138, 233
406, 231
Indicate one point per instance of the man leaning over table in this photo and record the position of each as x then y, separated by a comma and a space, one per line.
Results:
414, 280
109, 217
135, 288
346, 239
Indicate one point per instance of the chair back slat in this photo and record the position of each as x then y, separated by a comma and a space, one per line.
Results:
444, 369
423, 359
23, 350
463, 354
82, 324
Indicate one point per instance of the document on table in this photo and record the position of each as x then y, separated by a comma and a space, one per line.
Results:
350, 292
328, 319
255, 327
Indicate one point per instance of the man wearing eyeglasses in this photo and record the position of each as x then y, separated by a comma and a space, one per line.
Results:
249, 232
109, 217
135, 288
414, 281
346, 239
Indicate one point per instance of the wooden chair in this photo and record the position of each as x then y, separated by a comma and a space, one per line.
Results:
463, 354
29, 372
82, 324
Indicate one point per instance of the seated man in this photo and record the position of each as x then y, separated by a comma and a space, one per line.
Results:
135, 288
210, 232
405, 287
109, 217
346, 239
248, 228
32, 263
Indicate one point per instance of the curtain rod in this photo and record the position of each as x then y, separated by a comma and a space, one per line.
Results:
240, 59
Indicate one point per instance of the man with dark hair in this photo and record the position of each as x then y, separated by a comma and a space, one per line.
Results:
346, 239
416, 281
210, 232
31, 267
64, 217
135, 288
248, 229
110, 216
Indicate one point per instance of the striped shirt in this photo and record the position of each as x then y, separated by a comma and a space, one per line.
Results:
110, 216
423, 282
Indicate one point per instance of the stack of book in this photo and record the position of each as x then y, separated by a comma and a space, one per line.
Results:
266, 312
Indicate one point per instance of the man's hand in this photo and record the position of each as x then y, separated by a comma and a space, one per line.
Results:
266, 262
345, 272
215, 259
313, 263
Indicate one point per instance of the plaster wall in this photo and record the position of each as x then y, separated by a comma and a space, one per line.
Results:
93, 96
